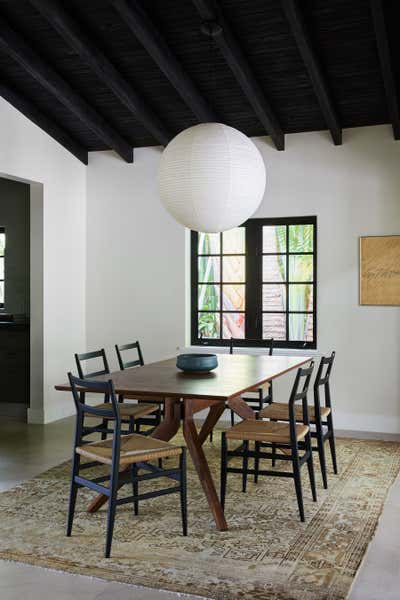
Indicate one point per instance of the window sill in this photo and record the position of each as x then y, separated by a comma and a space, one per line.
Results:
249, 350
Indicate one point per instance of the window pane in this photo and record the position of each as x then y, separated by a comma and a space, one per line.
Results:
209, 243
233, 241
233, 297
233, 325
300, 328
301, 238
1, 292
301, 297
274, 238
274, 268
274, 325
233, 268
274, 296
301, 268
209, 297
1, 267
209, 325
209, 269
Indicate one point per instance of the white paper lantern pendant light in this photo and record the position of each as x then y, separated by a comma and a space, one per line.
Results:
211, 177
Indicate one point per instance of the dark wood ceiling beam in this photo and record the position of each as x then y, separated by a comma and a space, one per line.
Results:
311, 62
14, 45
31, 112
74, 35
144, 30
389, 83
225, 39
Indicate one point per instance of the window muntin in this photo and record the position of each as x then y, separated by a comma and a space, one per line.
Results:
2, 265
256, 281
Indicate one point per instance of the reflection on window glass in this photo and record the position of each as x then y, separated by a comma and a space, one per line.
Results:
301, 267
274, 238
209, 297
233, 297
233, 325
233, 269
274, 326
2, 250
274, 296
301, 238
301, 297
274, 268
209, 325
209, 243
209, 269
300, 327
233, 241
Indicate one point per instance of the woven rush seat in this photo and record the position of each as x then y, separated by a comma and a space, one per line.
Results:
280, 411
265, 431
127, 410
134, 448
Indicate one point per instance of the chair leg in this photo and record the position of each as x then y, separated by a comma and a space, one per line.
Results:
135, 487
104, 426
321, 453
112, 505
256, 461
245, 465
232, 418
223, 469
297, 482
182, 466
72, 494
131, 425
211, 436
310, 467
273, 448
332, 443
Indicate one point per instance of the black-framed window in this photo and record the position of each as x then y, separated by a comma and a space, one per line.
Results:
256, 281
2, 259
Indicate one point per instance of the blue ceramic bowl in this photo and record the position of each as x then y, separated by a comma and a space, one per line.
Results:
197, 363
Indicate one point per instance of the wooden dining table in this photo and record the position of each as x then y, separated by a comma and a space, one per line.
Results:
186, 394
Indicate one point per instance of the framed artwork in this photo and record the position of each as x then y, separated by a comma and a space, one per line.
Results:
380, 270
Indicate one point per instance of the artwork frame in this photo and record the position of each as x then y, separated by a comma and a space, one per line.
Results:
379, 270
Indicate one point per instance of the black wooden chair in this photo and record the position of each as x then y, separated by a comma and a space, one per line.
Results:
262, 395
129, 452
152, 419
320, 415
131, 414
292, 437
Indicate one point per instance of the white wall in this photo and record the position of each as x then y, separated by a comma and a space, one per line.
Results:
58, 209
14, 217
136, 259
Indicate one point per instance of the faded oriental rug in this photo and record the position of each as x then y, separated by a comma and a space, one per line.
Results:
267, 554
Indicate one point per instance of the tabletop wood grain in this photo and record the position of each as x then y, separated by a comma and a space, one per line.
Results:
234, 375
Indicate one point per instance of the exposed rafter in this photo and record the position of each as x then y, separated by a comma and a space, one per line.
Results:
74, 35
16, 47
382, 43
151, 39
32, 113
225, 39
313, 67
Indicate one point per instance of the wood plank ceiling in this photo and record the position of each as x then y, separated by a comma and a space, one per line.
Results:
120, 74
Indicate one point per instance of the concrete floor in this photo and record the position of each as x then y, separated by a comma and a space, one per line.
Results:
26, 450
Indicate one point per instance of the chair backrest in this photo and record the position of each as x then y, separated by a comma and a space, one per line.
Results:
79, 387
80, 358
127, 364
299, 393
322, 378
242, 343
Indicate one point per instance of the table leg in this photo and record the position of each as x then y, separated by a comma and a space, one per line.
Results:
164, 431
241, 408
211, 420
201, 465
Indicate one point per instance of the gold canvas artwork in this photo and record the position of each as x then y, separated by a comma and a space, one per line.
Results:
380, 270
